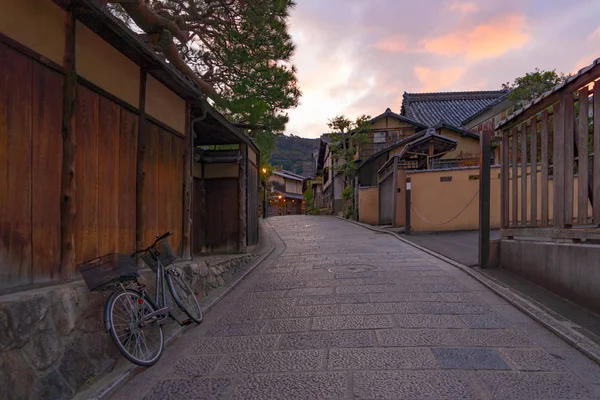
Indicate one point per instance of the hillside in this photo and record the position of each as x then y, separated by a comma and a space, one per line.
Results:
292, 151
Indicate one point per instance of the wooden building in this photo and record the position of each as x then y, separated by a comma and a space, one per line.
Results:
286, 193
97, 141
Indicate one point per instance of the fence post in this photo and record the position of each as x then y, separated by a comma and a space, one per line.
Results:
395, 191
484, 200
407, 224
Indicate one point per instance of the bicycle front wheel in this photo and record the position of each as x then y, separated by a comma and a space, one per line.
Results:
184, 296
139, 339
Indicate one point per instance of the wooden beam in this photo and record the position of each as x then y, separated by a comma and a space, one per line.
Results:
68, 189
140, 210
524, 129
533, 157
559, 165
394, 191
569, 116
515, 176
545, 166
505, 180
596, 173
583, 154
242, 197
188, 182
484, 199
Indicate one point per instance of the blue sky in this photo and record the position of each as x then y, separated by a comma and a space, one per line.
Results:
359, 56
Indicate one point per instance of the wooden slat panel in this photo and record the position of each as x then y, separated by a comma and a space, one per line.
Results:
46, 172
150, 192
165, 183
127, 181
222, 221
596, 175
583, 154
505, 180
558, 170
545, 165
515, 176
86, 175
534, 172
569, 157
108, 176
15, 167
177, 154
524, 174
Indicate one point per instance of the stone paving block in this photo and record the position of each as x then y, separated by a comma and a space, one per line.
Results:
275, 294
301, 386
512, 314
492, 338
464, 358
334, 299
415, 337
532, 360
288, 325
541, 335
313, 291
301, 311
269, 286
236, 328
533, 386
435, 321
437, 288
585, 369
453, 308
381, 358
412, 385
277, 361
262, 303
279, 270
459, 297
234, 344
434, 273
352, 275
352, 322
380, 308
409, 280
485, 321
196, 366
335, 282
180, 389
365, 289
242, 314
403, 297
326, 339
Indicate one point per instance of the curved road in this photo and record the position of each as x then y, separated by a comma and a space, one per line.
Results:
341, 312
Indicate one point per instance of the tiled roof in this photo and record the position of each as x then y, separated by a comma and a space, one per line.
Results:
486, 108
390, 113
290, 175
449, 107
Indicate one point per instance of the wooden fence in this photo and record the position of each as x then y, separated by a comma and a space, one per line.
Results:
551, 163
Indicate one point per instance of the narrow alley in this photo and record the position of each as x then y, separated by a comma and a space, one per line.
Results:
342, 312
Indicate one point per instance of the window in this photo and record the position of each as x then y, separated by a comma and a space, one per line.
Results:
379, 137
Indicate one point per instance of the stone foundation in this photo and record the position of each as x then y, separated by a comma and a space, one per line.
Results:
52, 340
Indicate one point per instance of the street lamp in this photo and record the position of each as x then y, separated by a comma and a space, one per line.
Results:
264, 170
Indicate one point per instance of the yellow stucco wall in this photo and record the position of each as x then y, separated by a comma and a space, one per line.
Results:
368, 205
293, 186
469, 146
106, 67
390, 123
435, 203
164, 105
36, 24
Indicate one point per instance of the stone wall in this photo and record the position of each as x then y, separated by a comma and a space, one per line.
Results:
52, 340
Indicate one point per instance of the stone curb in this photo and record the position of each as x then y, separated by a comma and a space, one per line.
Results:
533, 309
107, 389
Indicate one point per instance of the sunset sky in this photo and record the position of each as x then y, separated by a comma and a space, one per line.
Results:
359, 56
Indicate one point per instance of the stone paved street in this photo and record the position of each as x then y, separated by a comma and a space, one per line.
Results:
341, 312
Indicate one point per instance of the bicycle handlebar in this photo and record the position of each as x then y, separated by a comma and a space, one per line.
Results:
158, 239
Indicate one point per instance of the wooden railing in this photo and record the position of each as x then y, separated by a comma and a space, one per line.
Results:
554, 133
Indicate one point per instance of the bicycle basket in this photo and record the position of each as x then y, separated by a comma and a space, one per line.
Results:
163, 251
109, 268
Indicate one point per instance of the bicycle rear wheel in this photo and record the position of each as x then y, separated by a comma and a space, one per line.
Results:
141, 343
184, 296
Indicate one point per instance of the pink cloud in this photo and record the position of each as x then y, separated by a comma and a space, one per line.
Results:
437, 79
595, 35
465, 7
394, 44
489, 40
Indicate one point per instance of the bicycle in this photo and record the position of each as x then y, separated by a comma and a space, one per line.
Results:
132, 318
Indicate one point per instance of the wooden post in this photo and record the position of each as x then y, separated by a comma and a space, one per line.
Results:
188, 182
140, 211
505, 180
545, 166
242, 197
558, 172
533, 157
68, 189
596, 166
583, 153
524, 174
394, 191
407, 223
569, 132
484, 199
515, 176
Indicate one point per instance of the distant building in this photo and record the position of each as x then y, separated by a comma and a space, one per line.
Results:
286, 193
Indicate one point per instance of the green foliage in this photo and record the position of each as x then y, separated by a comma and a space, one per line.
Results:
292, 151
346, 137
347, 193
348, 212
266, 143
308, 195
316, 211
529, 87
